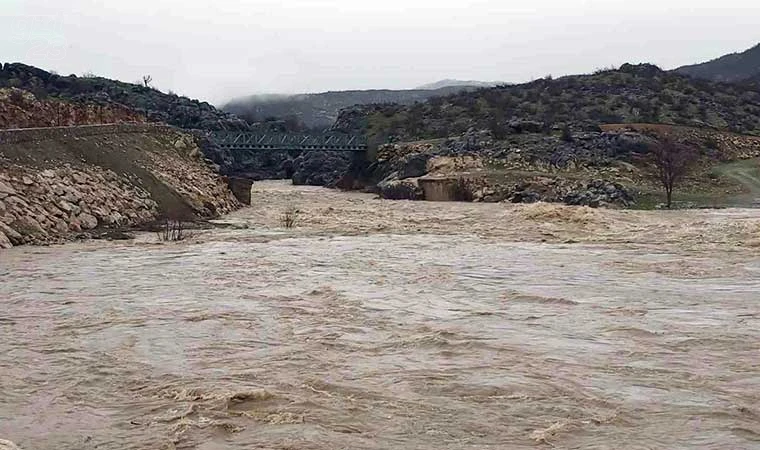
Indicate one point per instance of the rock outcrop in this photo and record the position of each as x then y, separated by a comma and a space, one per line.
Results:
148, 102
58, 183
406, 189
21, 109
319, 168
555, 189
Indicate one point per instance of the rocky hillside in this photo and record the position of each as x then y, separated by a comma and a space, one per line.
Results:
319, 111
732, 68
57, 184
598, 168
150, 103
21, 109
631, 94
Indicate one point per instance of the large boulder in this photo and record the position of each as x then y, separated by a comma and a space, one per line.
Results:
6, 190
87, 221
413, 165
28, 226
5, 243
12, 235
407, 189
526, 126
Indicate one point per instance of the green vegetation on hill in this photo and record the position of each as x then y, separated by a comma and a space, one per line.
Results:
321, 110
735, 67
151, 103
631, 94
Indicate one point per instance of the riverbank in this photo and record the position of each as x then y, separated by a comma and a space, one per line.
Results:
56, 183
326, 211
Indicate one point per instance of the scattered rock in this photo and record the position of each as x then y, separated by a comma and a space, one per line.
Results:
65, 206
73, 196
526, 126
28, 226
6, 190
8, 445
87, 221
5, 243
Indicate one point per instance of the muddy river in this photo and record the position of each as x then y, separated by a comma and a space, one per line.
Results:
390, 325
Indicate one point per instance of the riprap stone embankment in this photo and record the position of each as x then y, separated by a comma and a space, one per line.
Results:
56, 183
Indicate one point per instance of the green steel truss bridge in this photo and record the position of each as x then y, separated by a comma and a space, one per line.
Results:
246, 141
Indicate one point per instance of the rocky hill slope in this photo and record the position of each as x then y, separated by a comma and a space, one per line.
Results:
732, 68
56, 184
321, 110
631, 94
21, 109
578, 139
611, 167
150, 103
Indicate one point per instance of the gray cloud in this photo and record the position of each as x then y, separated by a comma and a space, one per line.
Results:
215, 50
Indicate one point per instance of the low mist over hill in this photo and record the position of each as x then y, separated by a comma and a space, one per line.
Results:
468, 83
729, 68
321, 110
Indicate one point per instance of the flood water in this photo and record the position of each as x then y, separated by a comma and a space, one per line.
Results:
390, 325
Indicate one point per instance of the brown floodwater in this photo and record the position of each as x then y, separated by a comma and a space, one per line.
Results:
390, 325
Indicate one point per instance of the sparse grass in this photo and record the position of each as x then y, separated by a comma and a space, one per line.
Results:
289, 218
173, 231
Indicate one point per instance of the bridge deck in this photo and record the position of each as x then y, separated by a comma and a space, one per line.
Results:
288, 141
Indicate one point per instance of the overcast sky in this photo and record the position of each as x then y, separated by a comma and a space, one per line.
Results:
217, 49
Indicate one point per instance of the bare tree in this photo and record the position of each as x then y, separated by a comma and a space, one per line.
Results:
58, 114
147, 79
672, 160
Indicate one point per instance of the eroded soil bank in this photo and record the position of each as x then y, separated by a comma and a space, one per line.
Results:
377, 324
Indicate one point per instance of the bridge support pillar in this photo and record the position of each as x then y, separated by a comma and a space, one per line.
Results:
241, 188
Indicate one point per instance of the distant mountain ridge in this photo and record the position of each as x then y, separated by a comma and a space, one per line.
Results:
321, 110
731, 68
462, 83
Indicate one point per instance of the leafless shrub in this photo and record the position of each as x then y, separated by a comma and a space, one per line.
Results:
147, 79
672, 160
172, 231
289, 217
